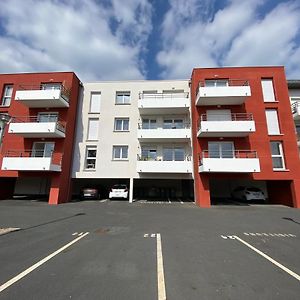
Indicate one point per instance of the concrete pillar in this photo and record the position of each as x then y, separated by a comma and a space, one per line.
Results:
130, 190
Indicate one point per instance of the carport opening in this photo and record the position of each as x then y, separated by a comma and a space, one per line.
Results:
238, 192
175, 190
103, 185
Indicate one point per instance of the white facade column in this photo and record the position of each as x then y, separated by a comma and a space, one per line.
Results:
130, 190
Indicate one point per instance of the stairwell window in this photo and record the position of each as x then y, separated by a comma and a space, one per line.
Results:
7, 94
277, 156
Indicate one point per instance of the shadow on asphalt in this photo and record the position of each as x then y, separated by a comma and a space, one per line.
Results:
292, 220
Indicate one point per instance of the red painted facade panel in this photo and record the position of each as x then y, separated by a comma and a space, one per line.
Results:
259, 140
60, 189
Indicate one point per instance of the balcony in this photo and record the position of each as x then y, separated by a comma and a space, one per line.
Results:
231, 92
34, 127
162, 103
239, 161
148, 165
232, 125
296, 110
174, 134
28, 160
41, 96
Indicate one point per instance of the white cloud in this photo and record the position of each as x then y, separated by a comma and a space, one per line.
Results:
75, 35
234, 35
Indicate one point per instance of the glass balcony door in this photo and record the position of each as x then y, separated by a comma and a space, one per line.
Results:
220, 150
149, 153
40, 149
173, 154
47, 117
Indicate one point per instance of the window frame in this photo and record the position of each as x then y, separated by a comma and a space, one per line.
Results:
5, 97
90, 147
280, 155
121, 152
88, 130
123, 94
269, 125
122, 119
274, 91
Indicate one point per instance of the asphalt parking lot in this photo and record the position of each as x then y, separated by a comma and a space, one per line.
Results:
117, 250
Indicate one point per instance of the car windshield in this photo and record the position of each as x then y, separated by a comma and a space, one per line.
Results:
120, 186
253, 189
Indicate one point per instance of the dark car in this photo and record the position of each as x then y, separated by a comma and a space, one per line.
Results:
90, 193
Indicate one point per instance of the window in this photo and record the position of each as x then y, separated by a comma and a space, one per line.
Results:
121, 124
173, 124
122, 97
93, 129
173, 154
268, 90
7, 93
272, 121
95, 102
120, 152
149, 153
47, 117
41, 149
90, 157
277, 156
149, 124
51, 86
216, 83
220, 150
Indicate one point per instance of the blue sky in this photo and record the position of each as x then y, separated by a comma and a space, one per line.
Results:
147, 39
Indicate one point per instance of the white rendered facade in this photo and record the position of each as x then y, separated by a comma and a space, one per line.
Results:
133, 123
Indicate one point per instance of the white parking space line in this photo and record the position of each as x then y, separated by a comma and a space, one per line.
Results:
293, 274
39, 263
160, 270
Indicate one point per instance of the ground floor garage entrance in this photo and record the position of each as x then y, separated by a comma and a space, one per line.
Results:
163, 189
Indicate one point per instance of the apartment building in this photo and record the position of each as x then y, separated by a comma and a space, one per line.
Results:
294, 92
137, 133
243, 134
37, 150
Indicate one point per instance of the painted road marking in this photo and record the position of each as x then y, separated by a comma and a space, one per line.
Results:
269, 234
152, 235
75, 233
39, 263
160, 270
290, 272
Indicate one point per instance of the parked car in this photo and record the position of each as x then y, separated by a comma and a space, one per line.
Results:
118, 191
248, 194
89, 193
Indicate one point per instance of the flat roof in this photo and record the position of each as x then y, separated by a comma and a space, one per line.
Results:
293, 84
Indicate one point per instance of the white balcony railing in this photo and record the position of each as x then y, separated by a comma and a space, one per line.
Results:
35, 127
31, 160
161, 103
177, 132
231, 92
37, 95
233, 125
238, 161
158, 165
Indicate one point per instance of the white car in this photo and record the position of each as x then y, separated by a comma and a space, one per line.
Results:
118, 191
248, 194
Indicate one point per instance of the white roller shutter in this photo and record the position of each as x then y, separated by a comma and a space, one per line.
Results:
93, 129
268, 90
218, 115
272, 121
95, 103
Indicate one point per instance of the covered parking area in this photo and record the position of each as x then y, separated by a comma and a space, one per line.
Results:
163, 189
223, 191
